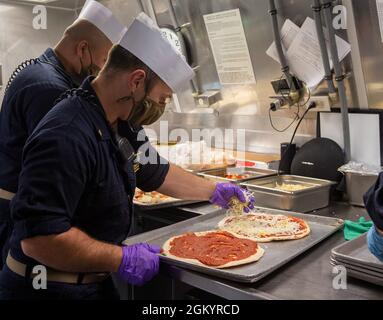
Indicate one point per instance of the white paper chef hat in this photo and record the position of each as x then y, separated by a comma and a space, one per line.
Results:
144, 39
103, 19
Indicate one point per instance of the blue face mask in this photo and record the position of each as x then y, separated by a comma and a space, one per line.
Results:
375, 243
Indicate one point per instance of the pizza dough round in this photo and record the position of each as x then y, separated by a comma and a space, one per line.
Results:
253, 258
250, 232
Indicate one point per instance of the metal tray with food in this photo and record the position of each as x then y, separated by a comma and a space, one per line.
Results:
276, 253
198, 170
155, 200
291, 193
237, 174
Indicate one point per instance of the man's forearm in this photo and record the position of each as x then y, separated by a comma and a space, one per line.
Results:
184, 185
73, 251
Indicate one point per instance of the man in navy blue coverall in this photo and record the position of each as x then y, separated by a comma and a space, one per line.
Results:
73, 206
82, 51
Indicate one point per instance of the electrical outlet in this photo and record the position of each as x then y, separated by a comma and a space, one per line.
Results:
322, 104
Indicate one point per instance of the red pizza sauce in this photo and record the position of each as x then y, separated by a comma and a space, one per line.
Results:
302, 224
213, 249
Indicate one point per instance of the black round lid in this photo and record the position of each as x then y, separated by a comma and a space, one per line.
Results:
320, 158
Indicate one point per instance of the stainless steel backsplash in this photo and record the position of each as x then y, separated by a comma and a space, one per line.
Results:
20, 41
243, 106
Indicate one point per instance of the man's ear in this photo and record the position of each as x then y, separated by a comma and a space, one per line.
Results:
137, 79
82, 51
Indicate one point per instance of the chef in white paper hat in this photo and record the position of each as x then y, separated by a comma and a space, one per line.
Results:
94, 32
164, 70
82, 51
103, 19
145, 41
61, 211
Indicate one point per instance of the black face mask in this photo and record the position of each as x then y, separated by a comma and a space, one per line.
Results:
91, 70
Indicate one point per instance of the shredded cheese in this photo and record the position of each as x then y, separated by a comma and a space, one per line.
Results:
290, 187
258, 228
237, 207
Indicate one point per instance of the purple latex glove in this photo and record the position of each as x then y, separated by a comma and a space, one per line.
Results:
140, 263
225, 191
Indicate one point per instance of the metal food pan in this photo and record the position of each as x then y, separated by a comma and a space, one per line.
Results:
358, 185
253, 173
315, 196
276, 253
357, 252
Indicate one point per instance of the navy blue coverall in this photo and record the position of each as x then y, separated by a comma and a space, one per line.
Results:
27, 100
75, 175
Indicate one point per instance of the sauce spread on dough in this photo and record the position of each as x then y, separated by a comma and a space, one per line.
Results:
213, 249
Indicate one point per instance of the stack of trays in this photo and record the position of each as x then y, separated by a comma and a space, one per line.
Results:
358, 261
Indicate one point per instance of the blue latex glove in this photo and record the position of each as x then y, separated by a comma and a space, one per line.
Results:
375, 243
224, 192
140, 263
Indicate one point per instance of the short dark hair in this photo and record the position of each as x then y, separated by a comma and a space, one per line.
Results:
120, 60
84, 30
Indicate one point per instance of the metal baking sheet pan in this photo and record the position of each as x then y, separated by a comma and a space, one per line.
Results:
377, 274
204, 168
362, 275
357, 252
251, 173
164, 204
353, 264
276, 253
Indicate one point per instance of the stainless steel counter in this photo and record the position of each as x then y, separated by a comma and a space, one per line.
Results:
306, 277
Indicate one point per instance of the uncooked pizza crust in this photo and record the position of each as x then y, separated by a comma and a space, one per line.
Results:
253, 258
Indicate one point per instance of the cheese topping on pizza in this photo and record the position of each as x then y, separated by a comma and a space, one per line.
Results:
266, 227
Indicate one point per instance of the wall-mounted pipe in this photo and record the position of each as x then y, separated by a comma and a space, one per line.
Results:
278, 42
173, 15
317, 8
339, 77
149, 9
139, 2
196, 87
